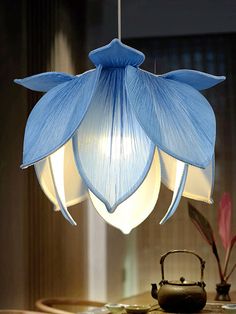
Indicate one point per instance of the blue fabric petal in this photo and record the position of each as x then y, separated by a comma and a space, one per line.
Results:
196, 79
175, 116
43, 82
57, 115
181, 176
116, 54
112, 152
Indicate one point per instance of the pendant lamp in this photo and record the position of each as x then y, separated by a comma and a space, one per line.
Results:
116, 132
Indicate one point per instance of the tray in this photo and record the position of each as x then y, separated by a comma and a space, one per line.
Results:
209, 308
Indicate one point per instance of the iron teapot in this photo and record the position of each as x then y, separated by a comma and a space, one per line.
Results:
180, 295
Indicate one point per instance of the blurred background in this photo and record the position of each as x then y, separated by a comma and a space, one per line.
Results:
41, 254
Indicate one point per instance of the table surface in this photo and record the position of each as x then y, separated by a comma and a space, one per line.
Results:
67, 305
146, 298
211, 306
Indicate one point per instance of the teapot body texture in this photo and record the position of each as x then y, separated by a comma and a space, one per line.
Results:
177, 298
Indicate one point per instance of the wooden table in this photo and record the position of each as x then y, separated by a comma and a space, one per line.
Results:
211, 306
68, 306
146, 298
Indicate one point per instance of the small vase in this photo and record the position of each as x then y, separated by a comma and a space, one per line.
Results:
222, 292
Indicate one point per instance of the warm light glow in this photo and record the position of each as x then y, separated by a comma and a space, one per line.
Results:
75, 191
56, 161
199, 182
138, 206
112, 147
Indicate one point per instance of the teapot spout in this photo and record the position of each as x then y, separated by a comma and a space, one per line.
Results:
154, 291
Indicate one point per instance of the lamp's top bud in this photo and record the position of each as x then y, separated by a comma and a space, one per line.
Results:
116, 55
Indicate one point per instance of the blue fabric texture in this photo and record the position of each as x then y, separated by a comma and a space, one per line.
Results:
113, 142
57, 115
43, 82
176, 117
196, 79
116, 115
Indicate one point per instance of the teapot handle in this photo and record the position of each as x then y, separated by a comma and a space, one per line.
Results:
202, 262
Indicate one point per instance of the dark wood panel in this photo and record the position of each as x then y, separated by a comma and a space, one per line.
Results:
41, 254
56, 250
13, 195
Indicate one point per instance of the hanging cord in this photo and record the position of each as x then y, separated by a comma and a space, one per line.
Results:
119, 19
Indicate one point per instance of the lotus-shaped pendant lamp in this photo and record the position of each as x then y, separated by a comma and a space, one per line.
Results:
116, 132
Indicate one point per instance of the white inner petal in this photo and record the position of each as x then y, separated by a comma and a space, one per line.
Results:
180, 179
56, 161
199, 183
75, 191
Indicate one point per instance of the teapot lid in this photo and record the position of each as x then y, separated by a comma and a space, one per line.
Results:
181, 282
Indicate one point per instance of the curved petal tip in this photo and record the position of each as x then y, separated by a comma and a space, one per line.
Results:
56, 162
196, 79
43, 82
181, 175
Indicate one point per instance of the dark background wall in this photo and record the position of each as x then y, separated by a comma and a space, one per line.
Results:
41, 255
158, 18
13, 191
211, 53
